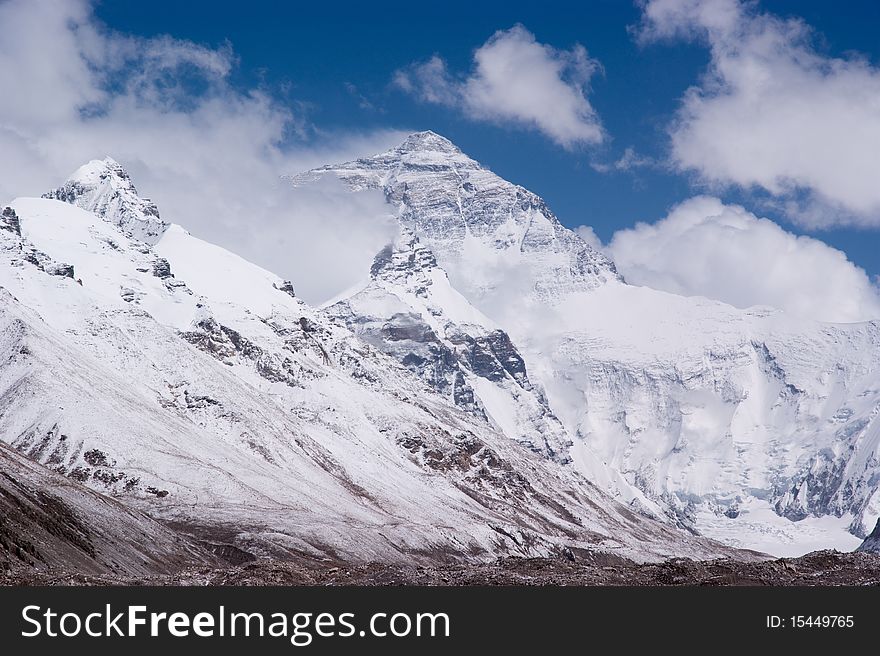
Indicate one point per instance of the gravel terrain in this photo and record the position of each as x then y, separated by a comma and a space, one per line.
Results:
829, 568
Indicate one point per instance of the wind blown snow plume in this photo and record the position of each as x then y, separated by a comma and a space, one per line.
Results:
516, 80
706, 248
207, 153
775, 113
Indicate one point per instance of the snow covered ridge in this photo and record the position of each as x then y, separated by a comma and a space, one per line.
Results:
195, 386
746, 425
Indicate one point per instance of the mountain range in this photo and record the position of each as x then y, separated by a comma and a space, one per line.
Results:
493, 387
751, 426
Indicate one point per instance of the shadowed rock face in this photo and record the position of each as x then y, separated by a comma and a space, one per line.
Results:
48, 522
872, 542
493, 356
405, 312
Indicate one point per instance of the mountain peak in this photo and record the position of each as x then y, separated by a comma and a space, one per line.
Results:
428, 141
424, 152
104, 187
474, 222
98, 170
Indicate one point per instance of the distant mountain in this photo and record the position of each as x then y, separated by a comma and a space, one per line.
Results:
750, 426
480, 227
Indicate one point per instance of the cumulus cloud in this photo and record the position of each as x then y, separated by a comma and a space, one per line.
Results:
516, 80
774, 113
207, 153
706, 248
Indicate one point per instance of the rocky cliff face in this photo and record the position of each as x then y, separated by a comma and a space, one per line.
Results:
9, 221
410, 311
743, 424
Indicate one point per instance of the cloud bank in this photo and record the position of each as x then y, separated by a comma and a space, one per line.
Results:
207, 153
773, 113
516, 80
706, 248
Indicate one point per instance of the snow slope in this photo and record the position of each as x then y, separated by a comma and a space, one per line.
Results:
716, 414
197, 387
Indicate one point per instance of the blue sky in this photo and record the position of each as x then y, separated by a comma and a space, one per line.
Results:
654, 122
335, 62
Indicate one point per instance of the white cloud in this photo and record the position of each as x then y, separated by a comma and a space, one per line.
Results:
706, 248
208, 154
773, 113
516, 80
589, 235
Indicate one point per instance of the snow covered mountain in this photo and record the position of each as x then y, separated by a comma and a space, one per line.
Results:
745, 425
492, 386
170, 373
480, 227
103, 187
